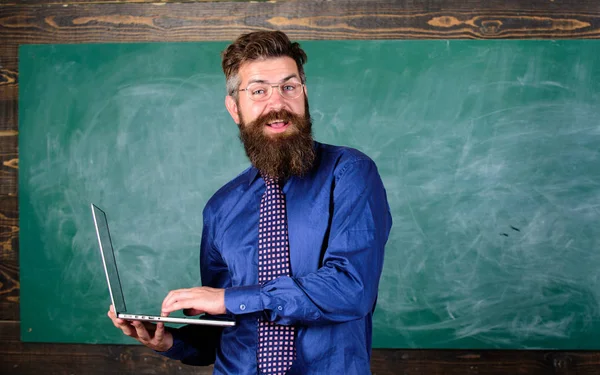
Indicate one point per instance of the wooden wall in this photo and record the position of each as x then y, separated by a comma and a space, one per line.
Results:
99, 21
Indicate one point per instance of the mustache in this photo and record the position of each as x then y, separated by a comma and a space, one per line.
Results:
283, 115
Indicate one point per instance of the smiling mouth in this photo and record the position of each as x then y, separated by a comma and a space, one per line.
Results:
277, 124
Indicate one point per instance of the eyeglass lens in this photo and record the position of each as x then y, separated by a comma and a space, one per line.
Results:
263, 91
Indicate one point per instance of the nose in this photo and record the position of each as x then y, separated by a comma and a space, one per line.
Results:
276, 101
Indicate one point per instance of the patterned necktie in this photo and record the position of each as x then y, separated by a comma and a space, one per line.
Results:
276, 349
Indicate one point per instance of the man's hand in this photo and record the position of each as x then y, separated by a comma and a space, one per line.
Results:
195, 301
153, 336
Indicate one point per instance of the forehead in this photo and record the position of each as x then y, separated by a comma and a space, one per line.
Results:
269, 70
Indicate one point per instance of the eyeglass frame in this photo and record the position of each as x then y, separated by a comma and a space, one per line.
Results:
302, 85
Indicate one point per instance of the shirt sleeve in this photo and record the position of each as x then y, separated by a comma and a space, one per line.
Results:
197, 344
194, 344
345, 287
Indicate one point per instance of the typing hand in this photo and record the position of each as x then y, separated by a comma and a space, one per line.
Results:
154, 336
195, 301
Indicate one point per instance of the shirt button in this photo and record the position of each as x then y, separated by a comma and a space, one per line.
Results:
242, 307
279, 308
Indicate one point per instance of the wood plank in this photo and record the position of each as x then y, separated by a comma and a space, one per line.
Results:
75, 2
497, 362
407, 4
9, 163
8, 112
301, 20
17, 357
9, 251
8, 84
32, 358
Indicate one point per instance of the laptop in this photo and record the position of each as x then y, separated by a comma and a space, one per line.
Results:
114, 283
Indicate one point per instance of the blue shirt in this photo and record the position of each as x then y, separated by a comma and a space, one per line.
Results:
338, 224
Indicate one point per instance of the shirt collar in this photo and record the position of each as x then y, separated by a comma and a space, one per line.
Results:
252, 175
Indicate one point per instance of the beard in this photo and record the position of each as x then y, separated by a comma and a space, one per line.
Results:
281, 155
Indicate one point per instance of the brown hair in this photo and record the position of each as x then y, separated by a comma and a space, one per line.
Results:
256, 46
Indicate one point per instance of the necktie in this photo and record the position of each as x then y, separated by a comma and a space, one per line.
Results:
276, 350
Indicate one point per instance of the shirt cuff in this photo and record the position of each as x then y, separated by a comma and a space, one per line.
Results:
243, 299
178, 350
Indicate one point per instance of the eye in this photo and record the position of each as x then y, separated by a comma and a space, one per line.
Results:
289, 87
257, 90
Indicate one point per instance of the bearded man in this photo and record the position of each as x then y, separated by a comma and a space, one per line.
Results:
292, 248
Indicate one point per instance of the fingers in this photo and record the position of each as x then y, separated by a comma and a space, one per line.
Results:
196, 300
177, 305
163, 338
159, 333
173, 297
153, 336
142, 332
180, 299
121, 324
113, 316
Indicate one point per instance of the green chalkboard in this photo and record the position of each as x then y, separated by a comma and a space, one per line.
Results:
489, 150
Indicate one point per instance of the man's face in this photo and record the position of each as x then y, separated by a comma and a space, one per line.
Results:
274, 71
276, 131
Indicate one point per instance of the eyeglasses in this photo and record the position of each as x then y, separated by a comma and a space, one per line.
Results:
259, 91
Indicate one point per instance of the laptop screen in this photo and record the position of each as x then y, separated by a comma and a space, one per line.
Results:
108, 258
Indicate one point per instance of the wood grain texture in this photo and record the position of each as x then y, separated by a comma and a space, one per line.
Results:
91, 21
39, 358
418, 5
29, 358
9, 162
301, 20
74, 2
9, 249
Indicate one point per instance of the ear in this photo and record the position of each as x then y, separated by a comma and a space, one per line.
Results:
232, 108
